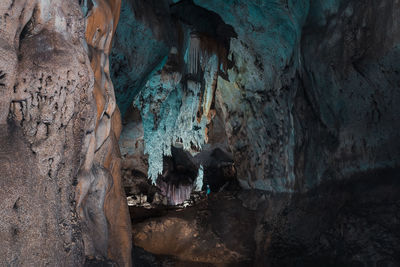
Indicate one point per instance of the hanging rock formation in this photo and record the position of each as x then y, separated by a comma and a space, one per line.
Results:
175, 98
293, 114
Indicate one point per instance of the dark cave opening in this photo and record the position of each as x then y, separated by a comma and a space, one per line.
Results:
182, 170
179, 169
220, 172
180, 177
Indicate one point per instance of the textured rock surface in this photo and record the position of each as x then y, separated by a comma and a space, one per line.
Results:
306, 91
347, 114
46, 94
101, 199
207, 233
52, 138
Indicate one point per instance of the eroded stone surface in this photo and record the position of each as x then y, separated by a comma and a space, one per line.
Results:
52, 138
47, 100
102, 203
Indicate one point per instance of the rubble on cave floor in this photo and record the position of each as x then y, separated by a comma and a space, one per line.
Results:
158, 200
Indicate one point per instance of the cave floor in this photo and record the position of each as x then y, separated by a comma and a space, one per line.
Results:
343, 223
207, 224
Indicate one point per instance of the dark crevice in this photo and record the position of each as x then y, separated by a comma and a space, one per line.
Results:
11, 5
2, 78
27, 30
86, 6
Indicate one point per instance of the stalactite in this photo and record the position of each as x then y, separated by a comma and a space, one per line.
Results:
194, 54
199, 180
176, 194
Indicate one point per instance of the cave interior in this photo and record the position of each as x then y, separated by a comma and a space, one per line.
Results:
200, 133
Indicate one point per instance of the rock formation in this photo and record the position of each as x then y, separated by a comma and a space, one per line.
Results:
288, 111
53, 140
260, 72
46, 111
352, 223
296, 95
101, 199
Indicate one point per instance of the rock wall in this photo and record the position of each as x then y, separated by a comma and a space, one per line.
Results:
346, 111
256, 99
46, 111
306, 90
101, 198
137, 48
61, 193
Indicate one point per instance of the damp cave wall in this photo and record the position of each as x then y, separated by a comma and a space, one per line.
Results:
310, 94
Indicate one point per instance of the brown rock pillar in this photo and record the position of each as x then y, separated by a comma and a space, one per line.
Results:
101, 22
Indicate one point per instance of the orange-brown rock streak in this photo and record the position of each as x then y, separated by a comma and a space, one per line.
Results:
101, 23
